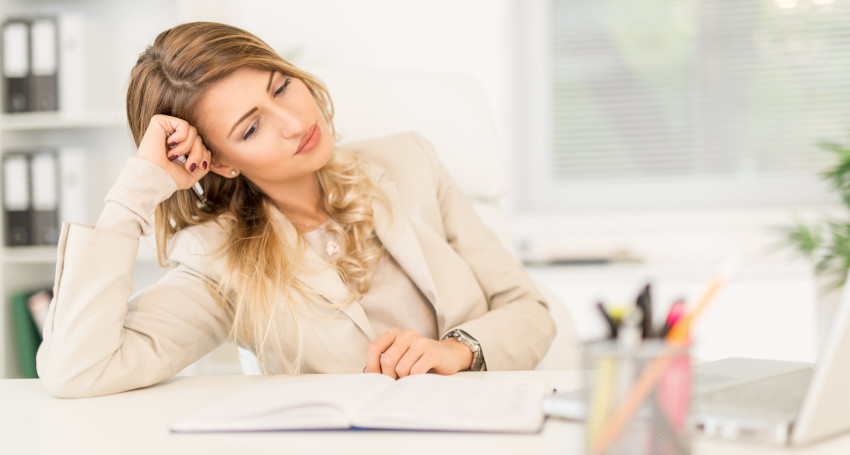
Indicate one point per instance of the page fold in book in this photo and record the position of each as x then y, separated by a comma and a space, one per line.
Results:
421, 402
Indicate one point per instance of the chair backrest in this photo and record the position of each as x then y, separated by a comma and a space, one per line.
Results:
451, 111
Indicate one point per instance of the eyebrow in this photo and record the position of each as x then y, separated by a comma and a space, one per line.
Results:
271, 78
241, 119
254, 109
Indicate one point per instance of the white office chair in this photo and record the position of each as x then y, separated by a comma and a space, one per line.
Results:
452, 112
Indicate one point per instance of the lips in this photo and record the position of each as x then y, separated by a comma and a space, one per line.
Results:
310, 139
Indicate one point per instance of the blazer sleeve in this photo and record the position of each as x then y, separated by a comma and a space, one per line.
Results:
517, 330
98, 340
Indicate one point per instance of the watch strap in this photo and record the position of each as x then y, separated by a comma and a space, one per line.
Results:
465, 339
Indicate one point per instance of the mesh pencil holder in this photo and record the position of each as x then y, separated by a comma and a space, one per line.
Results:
638, 399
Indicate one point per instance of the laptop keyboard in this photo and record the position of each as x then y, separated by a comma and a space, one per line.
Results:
778, 395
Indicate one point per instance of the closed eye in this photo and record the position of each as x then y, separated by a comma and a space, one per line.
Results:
255, 126
282, 87
251, 130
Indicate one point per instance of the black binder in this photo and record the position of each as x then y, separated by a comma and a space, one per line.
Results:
44, 43
16, 66
16, 199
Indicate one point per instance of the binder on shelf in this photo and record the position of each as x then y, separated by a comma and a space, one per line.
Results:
73, 194
16, 66
45, 64
72, 81
27, 334
16, 199
44, 220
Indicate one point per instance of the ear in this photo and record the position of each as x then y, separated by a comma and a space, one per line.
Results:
221, 169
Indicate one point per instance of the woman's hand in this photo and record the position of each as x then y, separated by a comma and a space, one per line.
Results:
166, 140
399, 353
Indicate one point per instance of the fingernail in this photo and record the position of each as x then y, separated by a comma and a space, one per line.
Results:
204, 164
172, 157
172, 144
192, 167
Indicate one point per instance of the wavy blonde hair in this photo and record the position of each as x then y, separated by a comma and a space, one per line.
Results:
169, 78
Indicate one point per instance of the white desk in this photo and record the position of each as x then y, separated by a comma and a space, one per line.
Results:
137, 422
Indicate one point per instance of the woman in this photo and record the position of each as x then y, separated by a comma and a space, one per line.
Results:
318, 258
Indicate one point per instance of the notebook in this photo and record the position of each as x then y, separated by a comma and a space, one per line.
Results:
419, 402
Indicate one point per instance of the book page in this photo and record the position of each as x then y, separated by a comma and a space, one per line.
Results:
320, 404
451, 403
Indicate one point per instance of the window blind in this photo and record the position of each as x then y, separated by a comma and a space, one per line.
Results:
683, 102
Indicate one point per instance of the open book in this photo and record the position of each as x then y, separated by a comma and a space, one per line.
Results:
419, 402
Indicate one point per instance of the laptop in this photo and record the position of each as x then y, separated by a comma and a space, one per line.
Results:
764, 401
793, 404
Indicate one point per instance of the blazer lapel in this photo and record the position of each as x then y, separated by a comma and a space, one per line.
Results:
322, 278
395, 232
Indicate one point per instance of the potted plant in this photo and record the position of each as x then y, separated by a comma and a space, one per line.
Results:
827, 242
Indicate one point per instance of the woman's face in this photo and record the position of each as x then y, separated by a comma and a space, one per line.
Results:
265, 125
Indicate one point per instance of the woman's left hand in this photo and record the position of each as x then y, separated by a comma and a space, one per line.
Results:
399, 353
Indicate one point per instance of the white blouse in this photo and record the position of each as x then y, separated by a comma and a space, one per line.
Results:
393, 300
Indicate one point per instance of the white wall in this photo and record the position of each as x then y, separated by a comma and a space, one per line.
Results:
475, 37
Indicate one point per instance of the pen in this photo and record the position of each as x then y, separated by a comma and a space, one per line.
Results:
644, 302
612, 326
199, 190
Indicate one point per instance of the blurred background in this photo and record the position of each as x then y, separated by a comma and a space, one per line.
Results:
648, 141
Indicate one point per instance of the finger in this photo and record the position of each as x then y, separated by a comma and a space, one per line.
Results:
418, 345
424, 364
196, 156
170, 126
181, 142
388, 365
407, 361
394, 354
376, 348
206, 160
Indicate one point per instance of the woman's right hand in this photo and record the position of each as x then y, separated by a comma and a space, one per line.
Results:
166, 140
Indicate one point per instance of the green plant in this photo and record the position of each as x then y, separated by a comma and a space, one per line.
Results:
827, 242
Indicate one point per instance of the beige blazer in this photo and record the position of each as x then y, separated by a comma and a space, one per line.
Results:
100, 340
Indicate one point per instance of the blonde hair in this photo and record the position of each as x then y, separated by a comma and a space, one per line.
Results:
170, 78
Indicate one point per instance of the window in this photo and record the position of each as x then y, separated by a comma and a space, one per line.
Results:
672, 103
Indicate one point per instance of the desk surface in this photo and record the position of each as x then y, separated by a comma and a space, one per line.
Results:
137, 422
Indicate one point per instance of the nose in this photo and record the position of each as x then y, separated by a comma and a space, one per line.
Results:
290, 124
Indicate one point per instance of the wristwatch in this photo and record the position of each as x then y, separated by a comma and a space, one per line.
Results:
477, 356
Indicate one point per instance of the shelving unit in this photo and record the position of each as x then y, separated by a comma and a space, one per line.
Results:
43, 121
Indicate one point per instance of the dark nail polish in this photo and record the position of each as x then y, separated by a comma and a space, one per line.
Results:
192, 167
172, 144
204, 165
172, 157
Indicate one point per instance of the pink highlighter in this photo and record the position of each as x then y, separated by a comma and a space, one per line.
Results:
675, 386
677, 310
